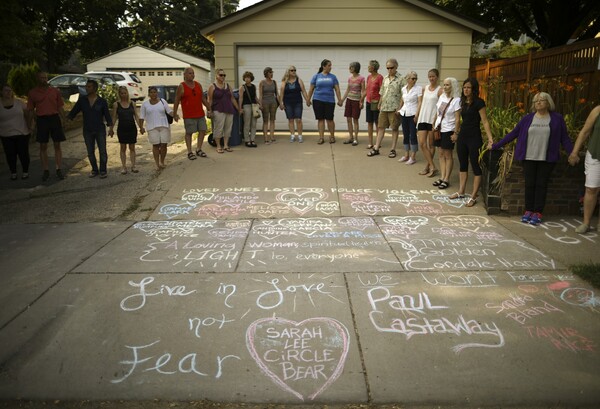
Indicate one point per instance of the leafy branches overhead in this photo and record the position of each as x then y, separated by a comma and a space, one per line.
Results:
48, 31
549, 22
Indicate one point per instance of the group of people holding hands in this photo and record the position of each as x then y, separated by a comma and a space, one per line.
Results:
434, 116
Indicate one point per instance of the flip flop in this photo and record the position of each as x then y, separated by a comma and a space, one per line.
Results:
228, 150
455, 196
471, 202
432, 173
219, 150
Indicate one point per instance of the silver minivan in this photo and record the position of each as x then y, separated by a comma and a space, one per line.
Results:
122, 78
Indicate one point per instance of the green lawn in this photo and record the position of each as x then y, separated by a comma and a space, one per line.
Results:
589, 272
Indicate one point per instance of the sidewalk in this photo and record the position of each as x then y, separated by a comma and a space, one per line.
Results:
290, 274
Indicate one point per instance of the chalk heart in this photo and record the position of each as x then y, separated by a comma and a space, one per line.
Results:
302, 358
406, 221
268, 209
174, 210
464, 221
458, 203
301, 202
224, 234
193, 198
370, 208
327, 207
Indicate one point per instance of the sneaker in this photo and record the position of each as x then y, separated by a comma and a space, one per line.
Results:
292, 138
300, 140
93, 174
411, 161
45, 176
583, 228
536, 219
103, 175
526, 217
354, 142
59, 174
25, 175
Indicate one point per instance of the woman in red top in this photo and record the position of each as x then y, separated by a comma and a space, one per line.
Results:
374, 81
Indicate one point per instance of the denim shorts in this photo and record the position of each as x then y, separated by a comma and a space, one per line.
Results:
293, 111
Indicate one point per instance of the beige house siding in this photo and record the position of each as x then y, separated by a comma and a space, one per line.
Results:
347, 22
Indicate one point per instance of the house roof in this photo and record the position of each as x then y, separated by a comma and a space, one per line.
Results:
198, 62
209, 29
166, 53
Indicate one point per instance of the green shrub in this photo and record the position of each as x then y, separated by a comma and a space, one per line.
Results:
22, 78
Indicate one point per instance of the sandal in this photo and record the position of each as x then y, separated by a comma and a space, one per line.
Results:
253, 144
432, 173
219, 150
392, 154
228, 149
200, 153
443, 185
437, 182
124, 172
471, 202
369, 146
321, 141
455, 196
249, 144
348, 141
424, 171
191, 156
373, 152
332, 139
134, 170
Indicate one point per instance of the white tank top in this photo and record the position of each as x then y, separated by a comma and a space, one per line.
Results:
428, 105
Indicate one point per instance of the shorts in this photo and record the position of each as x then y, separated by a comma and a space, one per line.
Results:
389, 120
323, 110
49, 126
193, 125
269, 111
293, 111
446, 142
161, 134
372, 116
424, 126
352, 109
592, 171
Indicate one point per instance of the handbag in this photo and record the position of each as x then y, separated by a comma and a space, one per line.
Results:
169, 116
374, 105
437, 131
255, 107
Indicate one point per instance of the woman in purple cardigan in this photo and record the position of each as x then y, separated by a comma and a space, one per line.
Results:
539, 136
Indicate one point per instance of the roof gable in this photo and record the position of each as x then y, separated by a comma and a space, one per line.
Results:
209, 29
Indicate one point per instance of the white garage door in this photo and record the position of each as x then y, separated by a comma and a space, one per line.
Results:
308, 59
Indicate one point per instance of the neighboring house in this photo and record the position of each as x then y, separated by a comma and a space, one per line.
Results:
164, 67
279, 33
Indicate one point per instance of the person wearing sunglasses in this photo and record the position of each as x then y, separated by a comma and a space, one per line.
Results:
191, 96
267, 95
410, 105
390, 95
292, 91
223, 106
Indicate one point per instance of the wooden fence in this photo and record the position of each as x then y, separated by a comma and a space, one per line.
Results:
570, 74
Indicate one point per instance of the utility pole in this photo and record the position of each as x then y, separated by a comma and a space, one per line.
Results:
222, 12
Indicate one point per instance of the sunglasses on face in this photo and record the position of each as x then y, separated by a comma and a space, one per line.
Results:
222, 75
292, 70
391, 68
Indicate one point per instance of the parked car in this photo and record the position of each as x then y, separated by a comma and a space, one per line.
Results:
71, 85
127, 79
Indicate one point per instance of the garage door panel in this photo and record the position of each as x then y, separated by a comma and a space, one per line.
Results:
307, 60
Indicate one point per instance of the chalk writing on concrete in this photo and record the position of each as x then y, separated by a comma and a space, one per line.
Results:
408, 315
522, 308
563, 231
142, 293
476, 279
302, 358
278, 290
146, 359
562, 338
197, 324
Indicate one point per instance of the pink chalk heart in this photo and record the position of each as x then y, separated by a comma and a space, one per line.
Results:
302, 358
301, 201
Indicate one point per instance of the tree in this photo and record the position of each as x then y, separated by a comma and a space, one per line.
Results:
550, 23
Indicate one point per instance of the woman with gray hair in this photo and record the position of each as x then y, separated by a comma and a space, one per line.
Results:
539, 137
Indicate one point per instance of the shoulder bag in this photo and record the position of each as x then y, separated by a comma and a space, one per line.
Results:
169, 116
437, 131
255, 107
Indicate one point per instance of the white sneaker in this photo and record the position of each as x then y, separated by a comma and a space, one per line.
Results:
300, 140
292, 138
411, 161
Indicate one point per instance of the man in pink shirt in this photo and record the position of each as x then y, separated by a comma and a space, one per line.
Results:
47, 104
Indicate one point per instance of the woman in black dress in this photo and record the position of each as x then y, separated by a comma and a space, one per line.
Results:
125, 114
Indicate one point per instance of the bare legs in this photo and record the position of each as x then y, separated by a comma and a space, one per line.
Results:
426, 144
589, 203
44, 155
159, 152
124, 156
446, 164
